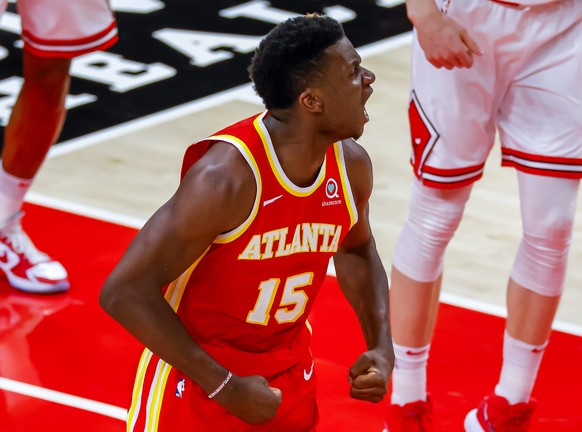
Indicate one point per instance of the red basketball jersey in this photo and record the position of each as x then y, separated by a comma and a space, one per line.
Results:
247, 299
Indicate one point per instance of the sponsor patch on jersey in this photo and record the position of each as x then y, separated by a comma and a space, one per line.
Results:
331, 189
332, 193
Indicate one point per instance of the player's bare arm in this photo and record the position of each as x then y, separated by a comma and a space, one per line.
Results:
206, 204
363, 281
445, 43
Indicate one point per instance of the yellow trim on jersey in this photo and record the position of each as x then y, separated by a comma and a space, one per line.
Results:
173, 296
246, 153
308, 325
350, 201
176, 289
276, 166
134, 409
156, 396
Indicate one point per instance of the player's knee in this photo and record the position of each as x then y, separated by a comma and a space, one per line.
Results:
542, 258
433, 218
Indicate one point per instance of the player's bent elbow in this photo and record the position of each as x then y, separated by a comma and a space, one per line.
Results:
109, 298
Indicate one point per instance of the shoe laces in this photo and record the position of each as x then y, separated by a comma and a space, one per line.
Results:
20, 242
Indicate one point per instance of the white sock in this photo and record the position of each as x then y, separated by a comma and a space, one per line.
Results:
521, 362
409, 375
12, 191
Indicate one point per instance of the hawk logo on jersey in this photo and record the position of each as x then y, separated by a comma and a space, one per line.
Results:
180, 388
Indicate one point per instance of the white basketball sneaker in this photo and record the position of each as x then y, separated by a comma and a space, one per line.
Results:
26, 268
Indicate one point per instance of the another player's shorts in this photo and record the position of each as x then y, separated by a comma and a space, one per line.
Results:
65, 28
167, 401
527, 84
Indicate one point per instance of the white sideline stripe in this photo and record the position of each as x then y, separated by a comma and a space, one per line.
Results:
85, 210
148, 121
383, 46
63, 398
488, 308
501, 311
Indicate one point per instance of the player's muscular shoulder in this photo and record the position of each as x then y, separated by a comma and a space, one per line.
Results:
359, 168
223, 183
227, 168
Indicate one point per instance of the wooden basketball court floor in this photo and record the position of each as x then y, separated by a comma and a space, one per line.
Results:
64, 365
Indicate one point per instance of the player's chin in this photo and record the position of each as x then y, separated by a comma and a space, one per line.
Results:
358, 132
365, 119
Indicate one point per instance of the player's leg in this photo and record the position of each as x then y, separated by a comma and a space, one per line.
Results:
38, 114
534, 291
34, 125
53, 33
537, 279
452, 132
544, 142
433, 218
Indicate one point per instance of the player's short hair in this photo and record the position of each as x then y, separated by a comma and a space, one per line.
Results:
291, 58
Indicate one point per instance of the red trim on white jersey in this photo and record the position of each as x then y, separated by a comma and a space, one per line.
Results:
542, 165
451, 178
522, 4
71, 48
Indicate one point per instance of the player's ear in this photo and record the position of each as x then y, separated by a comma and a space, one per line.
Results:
310, 100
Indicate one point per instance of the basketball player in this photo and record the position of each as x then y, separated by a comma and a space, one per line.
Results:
54, 32
243, 246
478, 65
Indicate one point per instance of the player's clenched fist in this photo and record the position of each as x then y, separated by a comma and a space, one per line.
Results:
369, 376
250, 399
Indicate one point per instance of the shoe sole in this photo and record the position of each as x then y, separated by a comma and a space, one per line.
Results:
471, 422
52, 290
17, 283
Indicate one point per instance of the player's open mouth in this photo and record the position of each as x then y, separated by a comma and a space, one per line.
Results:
366, 97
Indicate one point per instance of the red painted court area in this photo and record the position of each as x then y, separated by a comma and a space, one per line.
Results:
66, 344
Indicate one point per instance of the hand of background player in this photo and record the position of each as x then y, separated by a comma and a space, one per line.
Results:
445, 43
369, 376
250, 399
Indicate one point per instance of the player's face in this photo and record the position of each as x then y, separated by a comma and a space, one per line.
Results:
347, 88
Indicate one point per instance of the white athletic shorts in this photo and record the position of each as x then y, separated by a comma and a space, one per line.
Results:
528, 84
65, 28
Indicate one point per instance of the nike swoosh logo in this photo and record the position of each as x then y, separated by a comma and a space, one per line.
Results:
537, 350
307, 375
415, 353
272, 200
